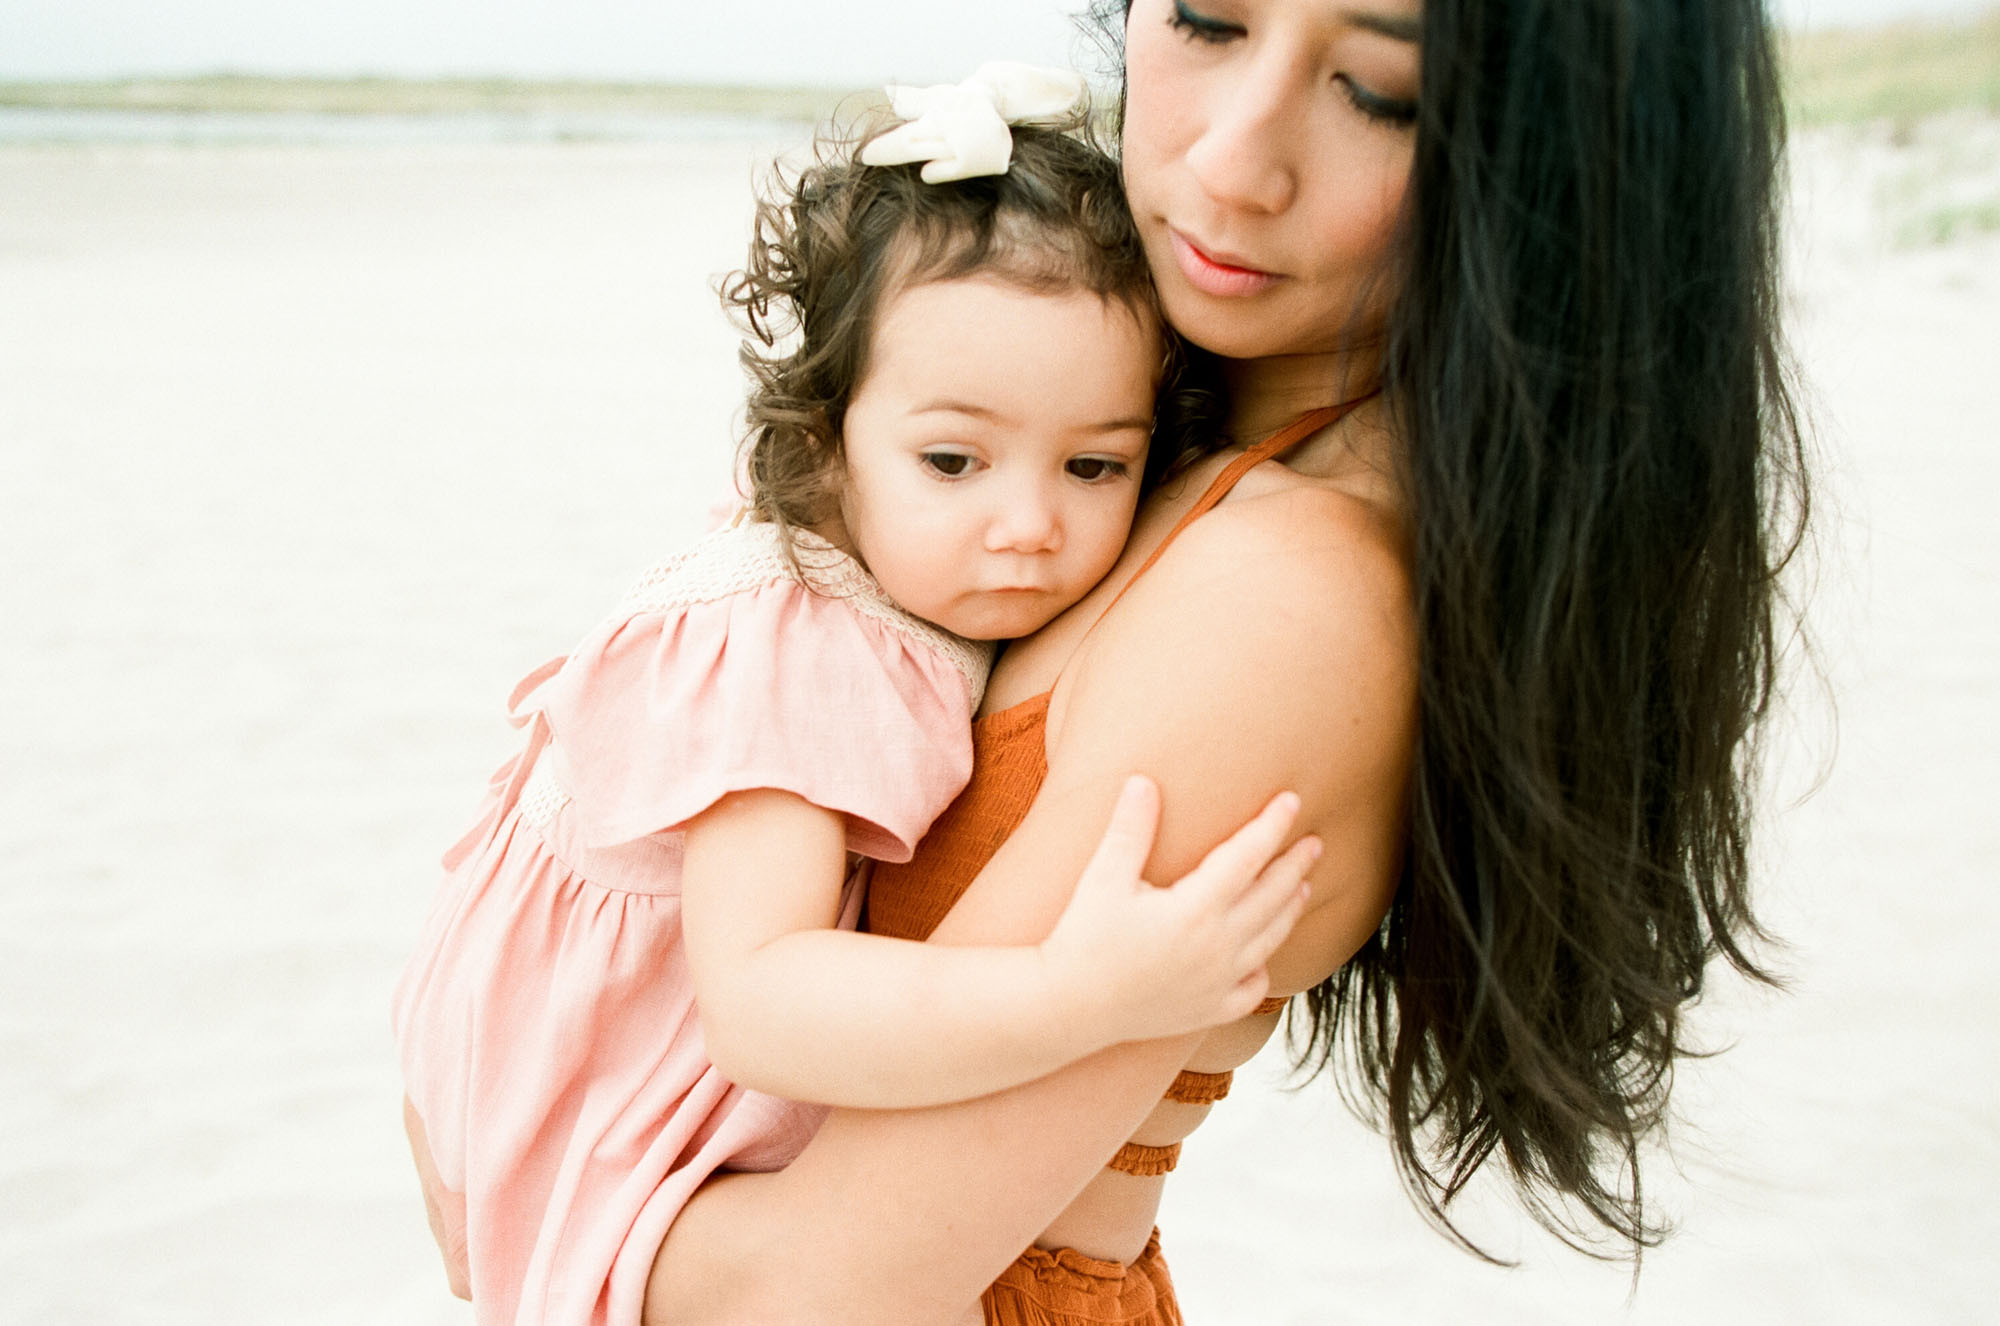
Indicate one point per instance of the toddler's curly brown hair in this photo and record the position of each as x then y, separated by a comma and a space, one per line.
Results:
831, 240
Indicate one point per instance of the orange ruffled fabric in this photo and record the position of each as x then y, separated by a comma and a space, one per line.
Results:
1066, 1288
1147, 1162
1191, 1088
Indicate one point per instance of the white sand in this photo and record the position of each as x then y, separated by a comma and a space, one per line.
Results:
306, 454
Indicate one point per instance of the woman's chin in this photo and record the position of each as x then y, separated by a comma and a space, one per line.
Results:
1262, 327
1234, 329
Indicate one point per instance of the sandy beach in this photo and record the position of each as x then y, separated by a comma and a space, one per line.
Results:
306, 453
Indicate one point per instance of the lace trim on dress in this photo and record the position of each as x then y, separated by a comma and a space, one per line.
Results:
743, 557
542, 799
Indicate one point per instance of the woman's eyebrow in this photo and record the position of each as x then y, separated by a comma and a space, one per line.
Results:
1399, 26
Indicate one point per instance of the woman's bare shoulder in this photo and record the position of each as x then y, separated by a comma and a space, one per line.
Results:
1316, 567
1273, 645
1335, 550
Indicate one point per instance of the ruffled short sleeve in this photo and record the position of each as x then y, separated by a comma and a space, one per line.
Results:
662, 711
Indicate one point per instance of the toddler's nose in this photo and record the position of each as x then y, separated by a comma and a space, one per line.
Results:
1026, 523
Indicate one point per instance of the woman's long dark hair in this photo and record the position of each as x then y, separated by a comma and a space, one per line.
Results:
1606, 476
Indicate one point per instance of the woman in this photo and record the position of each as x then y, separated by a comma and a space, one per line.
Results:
1506, 625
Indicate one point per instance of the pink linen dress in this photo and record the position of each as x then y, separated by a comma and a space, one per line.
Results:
546, 1023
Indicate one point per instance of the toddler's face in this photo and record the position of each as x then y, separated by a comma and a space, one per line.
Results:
994, 450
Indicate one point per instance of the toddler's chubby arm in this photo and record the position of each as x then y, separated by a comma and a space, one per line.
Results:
794, 1007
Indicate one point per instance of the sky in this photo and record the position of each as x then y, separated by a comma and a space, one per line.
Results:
813, 42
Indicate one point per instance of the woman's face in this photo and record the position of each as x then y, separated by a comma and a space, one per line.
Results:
1267, 152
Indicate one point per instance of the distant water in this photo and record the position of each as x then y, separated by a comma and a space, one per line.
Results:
37, 125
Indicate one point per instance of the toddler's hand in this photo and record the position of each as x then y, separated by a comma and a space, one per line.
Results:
1153, 962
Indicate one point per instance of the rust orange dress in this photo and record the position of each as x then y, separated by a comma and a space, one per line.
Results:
1060, 1287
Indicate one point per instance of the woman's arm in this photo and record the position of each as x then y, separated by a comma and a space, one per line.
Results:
1269, 648
795, 1007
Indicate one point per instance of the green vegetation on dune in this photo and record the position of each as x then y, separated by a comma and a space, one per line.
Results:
1947, 223
1902, 72
1916, 84
242, 92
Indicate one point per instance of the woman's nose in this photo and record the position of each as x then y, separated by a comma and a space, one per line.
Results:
1242, 157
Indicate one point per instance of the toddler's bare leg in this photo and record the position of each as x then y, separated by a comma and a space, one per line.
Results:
444, 1208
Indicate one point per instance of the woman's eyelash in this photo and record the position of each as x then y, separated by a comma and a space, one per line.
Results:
1385, 110
1214, 32
1199, 27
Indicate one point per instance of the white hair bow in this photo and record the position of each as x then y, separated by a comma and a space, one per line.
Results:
960, 130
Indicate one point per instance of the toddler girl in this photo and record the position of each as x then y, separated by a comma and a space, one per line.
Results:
950, 450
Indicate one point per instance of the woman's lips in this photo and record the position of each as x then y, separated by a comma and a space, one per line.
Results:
1211, 275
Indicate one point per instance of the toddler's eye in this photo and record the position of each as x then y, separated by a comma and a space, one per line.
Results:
950, 464
1093, 468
